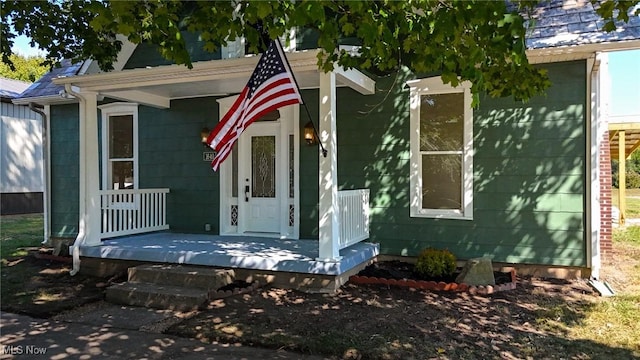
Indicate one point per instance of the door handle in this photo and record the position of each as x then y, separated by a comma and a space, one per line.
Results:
246, 193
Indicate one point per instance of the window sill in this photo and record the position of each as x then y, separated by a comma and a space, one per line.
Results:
440, 216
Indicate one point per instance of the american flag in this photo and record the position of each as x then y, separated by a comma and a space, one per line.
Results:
270, 87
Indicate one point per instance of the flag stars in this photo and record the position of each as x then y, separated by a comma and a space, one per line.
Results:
269, 65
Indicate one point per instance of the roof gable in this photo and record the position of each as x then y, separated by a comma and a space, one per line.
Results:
147, 54
10, 88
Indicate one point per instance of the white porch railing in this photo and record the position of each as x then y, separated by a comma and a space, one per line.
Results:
354, 216
126, 212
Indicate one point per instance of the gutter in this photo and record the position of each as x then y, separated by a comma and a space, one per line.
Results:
45, 160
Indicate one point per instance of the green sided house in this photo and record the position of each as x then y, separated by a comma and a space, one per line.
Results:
410, 163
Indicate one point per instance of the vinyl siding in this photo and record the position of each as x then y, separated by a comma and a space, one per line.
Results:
171, 157
529, 170
147, 55
65, 170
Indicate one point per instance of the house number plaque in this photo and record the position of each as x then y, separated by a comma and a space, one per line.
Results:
208, 155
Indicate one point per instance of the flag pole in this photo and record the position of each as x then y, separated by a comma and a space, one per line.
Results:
324, 151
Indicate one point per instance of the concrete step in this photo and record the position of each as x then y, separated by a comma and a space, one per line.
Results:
157, 296
184, 276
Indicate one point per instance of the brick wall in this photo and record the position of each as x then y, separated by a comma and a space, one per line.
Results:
605, 195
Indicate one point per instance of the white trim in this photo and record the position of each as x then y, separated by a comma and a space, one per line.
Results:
86, 64
592, 177
293, 46
45, 100
597, 97
47, 174
158, 85
434, 85
577, 52
140, 97
125, 52
356, 80
226, 179
89, 179
233, 49
328, 206
172, 74
116, 109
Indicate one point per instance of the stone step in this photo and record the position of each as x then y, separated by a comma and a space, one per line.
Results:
184, 276
157, 296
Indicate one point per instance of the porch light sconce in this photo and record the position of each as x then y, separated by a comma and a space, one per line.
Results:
310, 134
204, 134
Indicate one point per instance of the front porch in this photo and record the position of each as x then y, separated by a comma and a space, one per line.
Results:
290, 263
125, 105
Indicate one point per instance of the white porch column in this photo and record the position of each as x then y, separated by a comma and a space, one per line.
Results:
329, 224
89, 224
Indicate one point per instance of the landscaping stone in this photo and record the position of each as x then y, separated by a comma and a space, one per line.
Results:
477, 271
396, 273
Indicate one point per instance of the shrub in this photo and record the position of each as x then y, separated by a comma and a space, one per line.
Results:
434, 263
633, 180
632, 175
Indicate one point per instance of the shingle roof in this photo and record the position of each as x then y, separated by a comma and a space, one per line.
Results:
574, 22
10, 88
45, 86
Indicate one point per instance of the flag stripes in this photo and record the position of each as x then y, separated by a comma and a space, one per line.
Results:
270, 87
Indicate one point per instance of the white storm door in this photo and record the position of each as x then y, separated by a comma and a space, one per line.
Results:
259, 172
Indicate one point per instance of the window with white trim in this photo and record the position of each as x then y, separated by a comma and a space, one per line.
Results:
441, 178
119, 146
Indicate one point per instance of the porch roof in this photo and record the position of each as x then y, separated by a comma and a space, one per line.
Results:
255, 253
157, 86
631, 126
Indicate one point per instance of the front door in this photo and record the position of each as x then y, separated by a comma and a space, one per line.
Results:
259, 152
259, 181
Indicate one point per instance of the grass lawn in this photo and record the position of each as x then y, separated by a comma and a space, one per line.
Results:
633, 201
20, 231
614, 321
33, 286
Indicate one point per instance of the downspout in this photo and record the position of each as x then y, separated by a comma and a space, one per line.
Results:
45, 165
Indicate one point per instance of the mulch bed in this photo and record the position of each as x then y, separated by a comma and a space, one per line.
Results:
398, 273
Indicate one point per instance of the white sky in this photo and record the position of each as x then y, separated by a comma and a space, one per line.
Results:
624, 68
21, 46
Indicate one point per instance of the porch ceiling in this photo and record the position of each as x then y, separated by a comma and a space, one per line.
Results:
631, 127
157, 86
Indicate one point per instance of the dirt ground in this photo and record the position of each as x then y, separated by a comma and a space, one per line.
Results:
382, 322
43, 287
396, 323
368, 322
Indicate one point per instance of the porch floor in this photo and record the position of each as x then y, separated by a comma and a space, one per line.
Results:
242, 252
